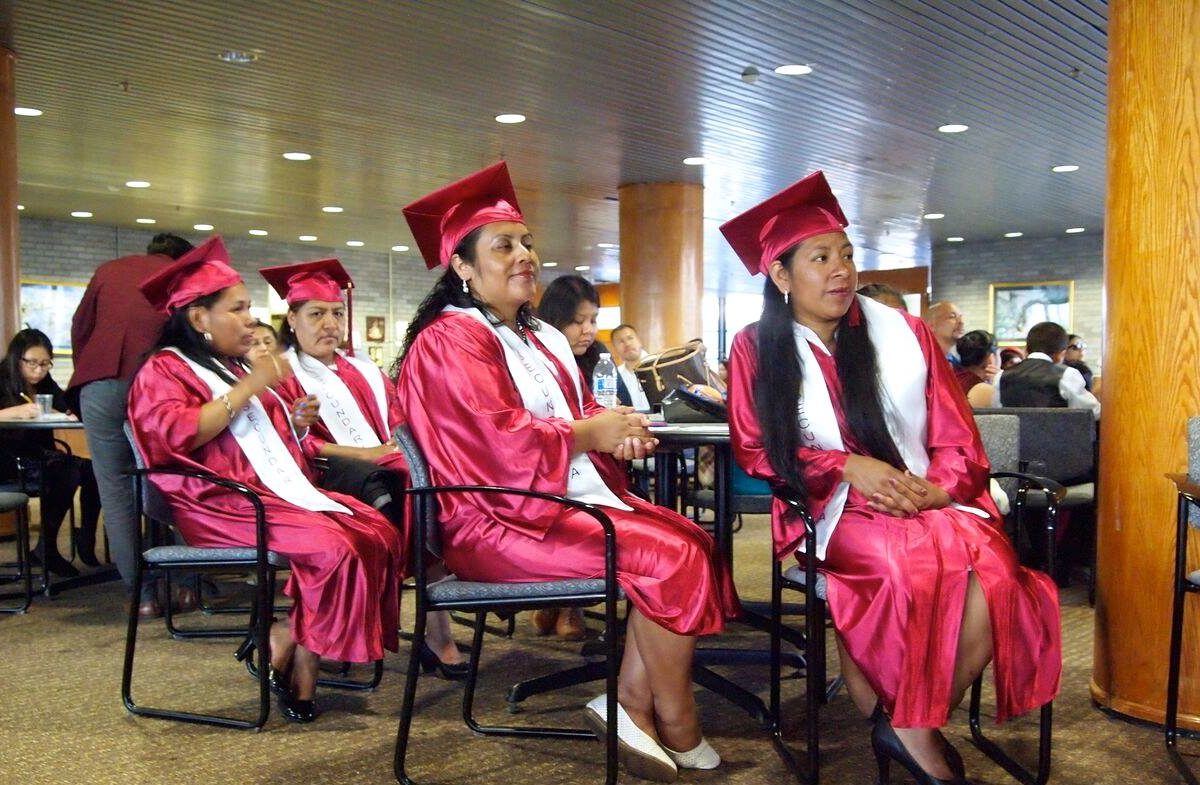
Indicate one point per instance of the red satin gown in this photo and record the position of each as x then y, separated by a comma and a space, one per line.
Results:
897, 586
464, 410
345, 569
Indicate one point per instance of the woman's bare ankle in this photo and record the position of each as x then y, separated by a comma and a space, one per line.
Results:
926, 747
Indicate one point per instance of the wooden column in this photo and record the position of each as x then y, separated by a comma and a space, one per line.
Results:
10, 274
662, 261
1152, 350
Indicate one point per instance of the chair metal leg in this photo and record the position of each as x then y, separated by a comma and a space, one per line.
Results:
409, 699
998, 755
24, 568
1171, 721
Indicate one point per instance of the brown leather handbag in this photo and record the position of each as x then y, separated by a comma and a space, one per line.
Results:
680, 365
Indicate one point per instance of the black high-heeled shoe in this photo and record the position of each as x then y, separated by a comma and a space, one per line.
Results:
953, 758
296, 710
888, 748
451, 671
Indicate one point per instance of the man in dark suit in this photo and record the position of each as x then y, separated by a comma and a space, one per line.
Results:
1041, 379
112, 331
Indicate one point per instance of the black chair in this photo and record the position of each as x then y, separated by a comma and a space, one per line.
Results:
18, 505
1187, 517
504, 598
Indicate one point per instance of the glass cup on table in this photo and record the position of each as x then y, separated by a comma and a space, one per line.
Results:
45, 405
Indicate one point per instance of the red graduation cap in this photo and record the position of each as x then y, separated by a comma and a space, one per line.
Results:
804, 209
442, 219
322, 279
201, 271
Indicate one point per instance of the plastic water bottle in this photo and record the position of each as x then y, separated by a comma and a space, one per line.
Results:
604, 382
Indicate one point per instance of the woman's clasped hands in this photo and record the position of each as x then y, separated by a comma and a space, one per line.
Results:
619, 431
890, 490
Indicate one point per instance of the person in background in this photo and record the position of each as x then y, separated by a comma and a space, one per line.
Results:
1010, 356
112, 331
1073, 358
266, 340
848, 405
1041, 379
948, 325
25, 455
198, 404
629, 351
882, 293
979, 370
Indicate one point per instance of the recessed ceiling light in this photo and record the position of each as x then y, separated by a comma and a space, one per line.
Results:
202, 227
20, 207
794, 69
137, 183
307, 238
333, 208
694, 160
297, 156
27, 111
933, 216
607, 245
80, 214
510, 118
954, 239
235, 57
582, 268
355, 243
953, 128
399, 248
1013, 234
257, 232
1063, 168
549, 264
1076, 230
146, 221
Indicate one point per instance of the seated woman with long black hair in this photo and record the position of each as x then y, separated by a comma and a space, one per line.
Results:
357, 412
197, 404
851, 406
24, 374
493, 397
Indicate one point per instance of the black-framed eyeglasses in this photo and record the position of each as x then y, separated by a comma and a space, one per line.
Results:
47, 364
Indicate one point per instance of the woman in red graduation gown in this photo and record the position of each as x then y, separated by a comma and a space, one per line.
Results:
196, 404
851, 405
494, 397
357, 410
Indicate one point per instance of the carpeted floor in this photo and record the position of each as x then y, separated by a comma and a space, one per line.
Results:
61, 718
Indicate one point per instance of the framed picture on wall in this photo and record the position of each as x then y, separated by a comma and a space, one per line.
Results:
376, 329
49, 306
1015, 307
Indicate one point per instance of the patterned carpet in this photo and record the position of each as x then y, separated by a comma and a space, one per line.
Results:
61, 718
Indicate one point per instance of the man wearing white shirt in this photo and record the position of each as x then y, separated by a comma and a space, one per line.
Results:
628, 348
1042, 379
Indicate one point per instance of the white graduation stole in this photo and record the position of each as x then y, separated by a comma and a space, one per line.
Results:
903, 373
339, 410
534, 377
268, 455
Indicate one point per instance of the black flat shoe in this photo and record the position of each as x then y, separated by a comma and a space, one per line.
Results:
451, 671
888, 748
295, 710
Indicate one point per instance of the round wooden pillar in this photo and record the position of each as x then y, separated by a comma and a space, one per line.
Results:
10, 275
662, 261
1151, 365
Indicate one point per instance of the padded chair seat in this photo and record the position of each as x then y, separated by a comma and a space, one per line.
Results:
470, 591
796, 575
1193, 577
173, 554
750, 505
10, 500
1080, 495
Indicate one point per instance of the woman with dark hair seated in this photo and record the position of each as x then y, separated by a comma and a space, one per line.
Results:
494, 397
198, 404
357, 411
24, 374
851, 406
979, 355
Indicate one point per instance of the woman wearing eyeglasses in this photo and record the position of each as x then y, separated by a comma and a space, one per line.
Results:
25, 374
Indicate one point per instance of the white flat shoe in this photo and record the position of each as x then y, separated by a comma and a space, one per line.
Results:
640, 755
702, 756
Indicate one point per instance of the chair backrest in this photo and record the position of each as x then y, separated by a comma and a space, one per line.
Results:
1001, 436
1057, 443
1193, 440
154, 504
425, 508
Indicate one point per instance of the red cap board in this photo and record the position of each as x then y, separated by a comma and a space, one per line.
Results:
804, 209
202, 271
322, 279
442, 219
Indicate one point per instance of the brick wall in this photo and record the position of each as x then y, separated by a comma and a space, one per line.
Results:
961, 273
386, 284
